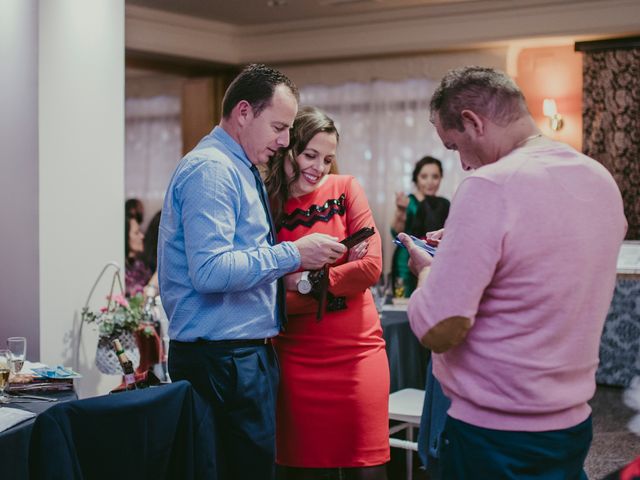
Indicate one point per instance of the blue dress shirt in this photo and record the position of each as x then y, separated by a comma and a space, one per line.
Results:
216, 268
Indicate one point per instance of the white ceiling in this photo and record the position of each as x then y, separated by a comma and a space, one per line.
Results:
235, 32
259, 12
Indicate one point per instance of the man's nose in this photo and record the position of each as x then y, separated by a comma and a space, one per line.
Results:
283, 139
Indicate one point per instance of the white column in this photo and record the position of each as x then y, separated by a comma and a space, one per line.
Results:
81, 170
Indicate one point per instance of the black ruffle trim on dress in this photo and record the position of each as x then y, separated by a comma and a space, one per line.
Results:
315, 213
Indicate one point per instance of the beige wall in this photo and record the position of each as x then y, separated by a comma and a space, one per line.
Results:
554, 72
395, 68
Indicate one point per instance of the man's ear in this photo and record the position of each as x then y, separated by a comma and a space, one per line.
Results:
242, 112
473, 121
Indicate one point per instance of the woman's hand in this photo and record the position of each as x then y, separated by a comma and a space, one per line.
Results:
436, 235
402, 200
400, 215
359, 251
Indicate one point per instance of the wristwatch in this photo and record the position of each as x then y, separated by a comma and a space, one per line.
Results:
304, 285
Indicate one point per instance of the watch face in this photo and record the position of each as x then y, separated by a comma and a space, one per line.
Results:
304, 286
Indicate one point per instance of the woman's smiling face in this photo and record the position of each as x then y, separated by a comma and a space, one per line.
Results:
314, 163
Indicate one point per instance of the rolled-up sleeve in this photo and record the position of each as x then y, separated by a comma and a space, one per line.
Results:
466, 259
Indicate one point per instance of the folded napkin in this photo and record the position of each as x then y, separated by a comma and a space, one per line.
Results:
56, 372
27, 367
13, 416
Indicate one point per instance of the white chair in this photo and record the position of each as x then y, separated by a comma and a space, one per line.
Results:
406, 406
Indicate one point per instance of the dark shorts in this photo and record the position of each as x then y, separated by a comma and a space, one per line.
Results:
474, 453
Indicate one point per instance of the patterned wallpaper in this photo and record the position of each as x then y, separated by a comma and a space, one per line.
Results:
611, 122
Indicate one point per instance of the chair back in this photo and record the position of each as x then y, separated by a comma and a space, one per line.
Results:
155, 433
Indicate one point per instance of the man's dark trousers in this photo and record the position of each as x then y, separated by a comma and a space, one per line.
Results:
240, 381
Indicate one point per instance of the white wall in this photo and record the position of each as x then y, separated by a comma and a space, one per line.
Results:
81, 166
19, 308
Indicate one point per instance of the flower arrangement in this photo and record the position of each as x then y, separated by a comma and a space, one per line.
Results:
119, 316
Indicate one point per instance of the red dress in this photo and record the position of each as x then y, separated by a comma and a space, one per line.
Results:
334, 386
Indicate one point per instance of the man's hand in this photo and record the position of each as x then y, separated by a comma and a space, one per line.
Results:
419, 259
318, 249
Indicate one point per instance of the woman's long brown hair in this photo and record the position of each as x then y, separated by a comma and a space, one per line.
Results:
309, 122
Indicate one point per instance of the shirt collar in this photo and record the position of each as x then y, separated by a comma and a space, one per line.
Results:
234, 147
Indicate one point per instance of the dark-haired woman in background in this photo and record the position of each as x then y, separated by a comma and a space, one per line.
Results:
416, 214
137, 274
133, 207
150, 254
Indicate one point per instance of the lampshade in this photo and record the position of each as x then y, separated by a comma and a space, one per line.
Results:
549, 108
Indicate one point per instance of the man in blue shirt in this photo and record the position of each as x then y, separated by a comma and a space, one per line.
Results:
219, 269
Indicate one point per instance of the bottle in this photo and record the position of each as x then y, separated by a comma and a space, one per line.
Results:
147, 310
163, 330
127, 366
398, 288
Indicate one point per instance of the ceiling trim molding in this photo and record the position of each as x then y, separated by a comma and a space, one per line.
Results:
148, 30
160, 32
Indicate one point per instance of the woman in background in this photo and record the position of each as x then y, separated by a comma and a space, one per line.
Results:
133, 207
137, 274
150, 254
332, 410
416, 214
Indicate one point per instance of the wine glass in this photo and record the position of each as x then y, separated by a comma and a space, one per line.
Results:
18, 348
5, 370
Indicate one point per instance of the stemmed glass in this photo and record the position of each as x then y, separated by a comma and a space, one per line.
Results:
5, 359
18, 348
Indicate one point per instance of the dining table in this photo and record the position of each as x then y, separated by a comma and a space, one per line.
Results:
620, 341
408, 358
14, 442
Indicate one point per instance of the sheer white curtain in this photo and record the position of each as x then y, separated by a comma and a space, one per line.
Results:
384, 129
152, 149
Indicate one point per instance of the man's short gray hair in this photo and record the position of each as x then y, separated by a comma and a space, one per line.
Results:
485, 91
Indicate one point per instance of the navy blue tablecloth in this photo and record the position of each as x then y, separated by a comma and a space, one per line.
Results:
14, 442
407, 357
620, 343
161, 432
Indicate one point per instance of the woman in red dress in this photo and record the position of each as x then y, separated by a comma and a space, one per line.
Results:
332, 409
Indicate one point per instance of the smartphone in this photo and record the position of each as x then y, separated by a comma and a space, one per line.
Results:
356, 238
425, 245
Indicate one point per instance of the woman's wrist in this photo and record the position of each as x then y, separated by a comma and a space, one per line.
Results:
401, 212
315, 277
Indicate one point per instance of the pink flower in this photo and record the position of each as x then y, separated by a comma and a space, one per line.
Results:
119, 299
103, 309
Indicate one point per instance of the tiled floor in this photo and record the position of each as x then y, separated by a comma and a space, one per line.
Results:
613, 445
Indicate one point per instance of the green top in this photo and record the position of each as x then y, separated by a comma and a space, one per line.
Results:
399, 265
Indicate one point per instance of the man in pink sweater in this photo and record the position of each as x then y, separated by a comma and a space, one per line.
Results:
514, 302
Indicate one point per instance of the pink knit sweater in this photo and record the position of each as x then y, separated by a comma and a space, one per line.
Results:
529, 255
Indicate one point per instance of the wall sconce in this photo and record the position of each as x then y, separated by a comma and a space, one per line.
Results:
550, 110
